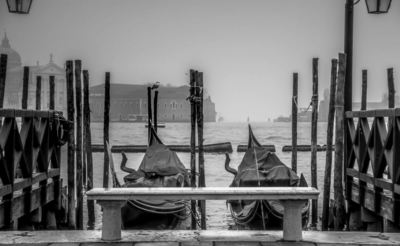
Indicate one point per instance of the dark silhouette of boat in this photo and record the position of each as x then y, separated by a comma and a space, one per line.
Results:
160, 167
262, 168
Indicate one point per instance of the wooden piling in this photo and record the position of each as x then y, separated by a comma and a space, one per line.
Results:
88, 143
314, 122
193, 144
25, 85
200, 123
106, 169
71, 147
3, 75
329, 148
38, 92
155, 109
149, 113
364, 89
294, 122
391, 94
52, 94
78, 151
339, 146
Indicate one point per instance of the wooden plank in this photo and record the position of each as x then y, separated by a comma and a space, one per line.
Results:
206, 193
269, 147
384, 184
294, 120
53, 172
368, 178
20, 183
5, 190
78, 149
352, 172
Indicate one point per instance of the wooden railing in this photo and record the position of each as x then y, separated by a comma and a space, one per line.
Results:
292, 198
29, 156
373, 161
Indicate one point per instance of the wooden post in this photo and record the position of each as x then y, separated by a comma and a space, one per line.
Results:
364, 89
88, 143
200, 121
149, 113
294, 122
38, 91
314, 122
78, 103
3, 73
193, 144
52, 85
106, 169
339, 146
391, 95
71, 143
155, 109
329, 148
25, 88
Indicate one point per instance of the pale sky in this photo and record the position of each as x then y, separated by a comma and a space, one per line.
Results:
247, 49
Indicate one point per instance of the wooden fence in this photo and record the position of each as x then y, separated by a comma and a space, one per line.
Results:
373, 161
30, 144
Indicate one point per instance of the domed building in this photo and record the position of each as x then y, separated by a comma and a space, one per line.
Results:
14, 77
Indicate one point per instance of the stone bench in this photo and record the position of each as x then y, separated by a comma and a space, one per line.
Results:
292, 198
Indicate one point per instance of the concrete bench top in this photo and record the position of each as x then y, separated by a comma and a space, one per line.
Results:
207, 193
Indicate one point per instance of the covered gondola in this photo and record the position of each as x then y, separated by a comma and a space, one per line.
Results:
262, 168
160, 167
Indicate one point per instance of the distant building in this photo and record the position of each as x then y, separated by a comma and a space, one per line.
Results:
14, 77
129, 103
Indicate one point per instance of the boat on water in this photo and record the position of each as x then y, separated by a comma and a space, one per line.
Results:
160, 167
262, 168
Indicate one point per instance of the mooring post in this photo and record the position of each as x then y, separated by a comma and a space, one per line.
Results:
38, 92
52, 92
314, 122
71, 146
200, 123
364, 89
88, 143
106, 169
155, 109
149, 113
25, 85
339, 146
3, 73
193, 143
294, 121
329, 148
391, 94
78, 103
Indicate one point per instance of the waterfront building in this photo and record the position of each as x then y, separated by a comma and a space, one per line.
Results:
129, 103
14, 81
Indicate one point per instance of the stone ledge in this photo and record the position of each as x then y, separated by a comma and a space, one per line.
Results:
192, 238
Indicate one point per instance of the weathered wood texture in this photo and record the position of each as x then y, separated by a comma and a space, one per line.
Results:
34, 150
88, 141
3, 75
38, 92
195, 238
294, 120
71, 145
244, 147
329, 140
78, 150
375, 147
193, 180
303, 147
339, 145
208, 148
106, 126
391, 94
149, 113
155, 110
314, 127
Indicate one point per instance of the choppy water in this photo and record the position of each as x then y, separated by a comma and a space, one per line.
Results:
218, 216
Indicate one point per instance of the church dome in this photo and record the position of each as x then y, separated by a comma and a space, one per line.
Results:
13, 58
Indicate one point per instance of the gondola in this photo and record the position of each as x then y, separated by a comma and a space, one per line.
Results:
262, 168
160, 167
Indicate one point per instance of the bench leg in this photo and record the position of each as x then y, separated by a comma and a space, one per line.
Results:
292, 226
111, 220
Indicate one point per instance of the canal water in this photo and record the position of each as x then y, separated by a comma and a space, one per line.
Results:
218, 215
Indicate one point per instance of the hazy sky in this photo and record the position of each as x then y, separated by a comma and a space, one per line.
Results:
247, 49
